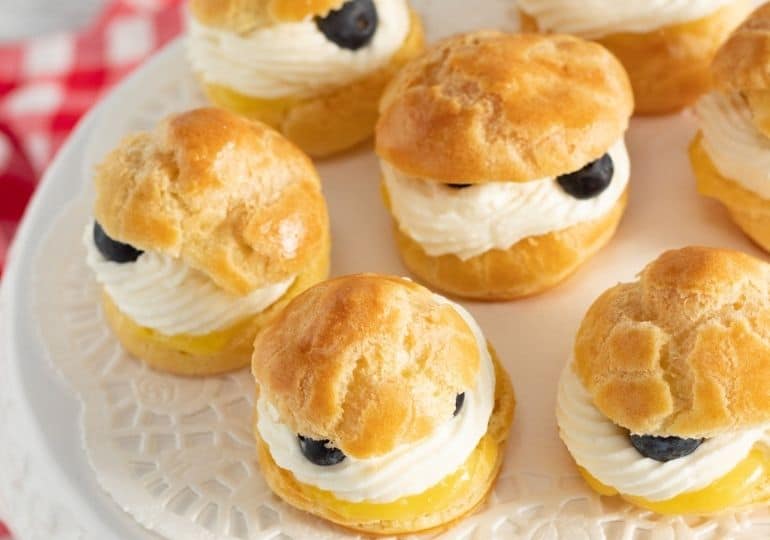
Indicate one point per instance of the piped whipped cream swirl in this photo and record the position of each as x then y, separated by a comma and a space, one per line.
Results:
407, 470
293, 59
735, 145
597, 18
605, 451
468, 222
163, 293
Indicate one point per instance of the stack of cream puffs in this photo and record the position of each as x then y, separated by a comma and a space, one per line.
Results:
380, 406
666, 400
314, 70
503, 160
203, 230
666, 45
731, 153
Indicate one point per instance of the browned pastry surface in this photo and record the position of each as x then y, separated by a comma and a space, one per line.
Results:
669, 67
743, 62
685, 350
230, 197
489, 106
242, 16
370, 362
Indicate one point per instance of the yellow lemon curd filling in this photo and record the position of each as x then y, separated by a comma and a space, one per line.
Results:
270, 111
747, 484
483, 463
203, 344
712, 184
210, 343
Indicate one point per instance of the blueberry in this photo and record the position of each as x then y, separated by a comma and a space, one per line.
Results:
664, 448
589, 181
459, 400
112, 250
459, 186
352, 26
320, 452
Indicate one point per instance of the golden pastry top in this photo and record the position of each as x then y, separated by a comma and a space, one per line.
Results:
243, 16
368, 362
685, 350
489, 106
743, 62
231, 197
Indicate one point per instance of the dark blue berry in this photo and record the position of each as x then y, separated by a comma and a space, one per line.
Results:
459, 186
320, 452
112, 250
589, 181
352, 26
459, 400
664, 448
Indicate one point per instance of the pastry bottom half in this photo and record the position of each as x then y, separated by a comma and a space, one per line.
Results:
669, 67
747, 485
214, 353
330, 122
748, 210
436, 509
528, 267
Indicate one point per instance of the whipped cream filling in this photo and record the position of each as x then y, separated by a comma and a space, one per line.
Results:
597, 18
735, 145
407, 470
605, 451
468, 222
293, 59
163, 293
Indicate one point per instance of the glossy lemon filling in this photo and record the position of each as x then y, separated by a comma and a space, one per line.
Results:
204, 344
211, 343
711, 183
747, 484
270, 111
483, 463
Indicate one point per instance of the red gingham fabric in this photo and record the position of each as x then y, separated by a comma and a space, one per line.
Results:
46, 85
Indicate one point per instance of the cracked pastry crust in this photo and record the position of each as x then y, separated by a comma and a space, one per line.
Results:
685, 350
489, 106
669, 67
742, 65
334, 363
743, 62
230, 197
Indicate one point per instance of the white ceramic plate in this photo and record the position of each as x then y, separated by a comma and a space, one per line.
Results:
176, 455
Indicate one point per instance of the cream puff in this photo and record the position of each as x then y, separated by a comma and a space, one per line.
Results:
313, 69
731, 153
503, 160
666, 45
666, 400
203, 230
380, 406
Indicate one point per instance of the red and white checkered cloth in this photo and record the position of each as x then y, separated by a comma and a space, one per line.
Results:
47, 84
